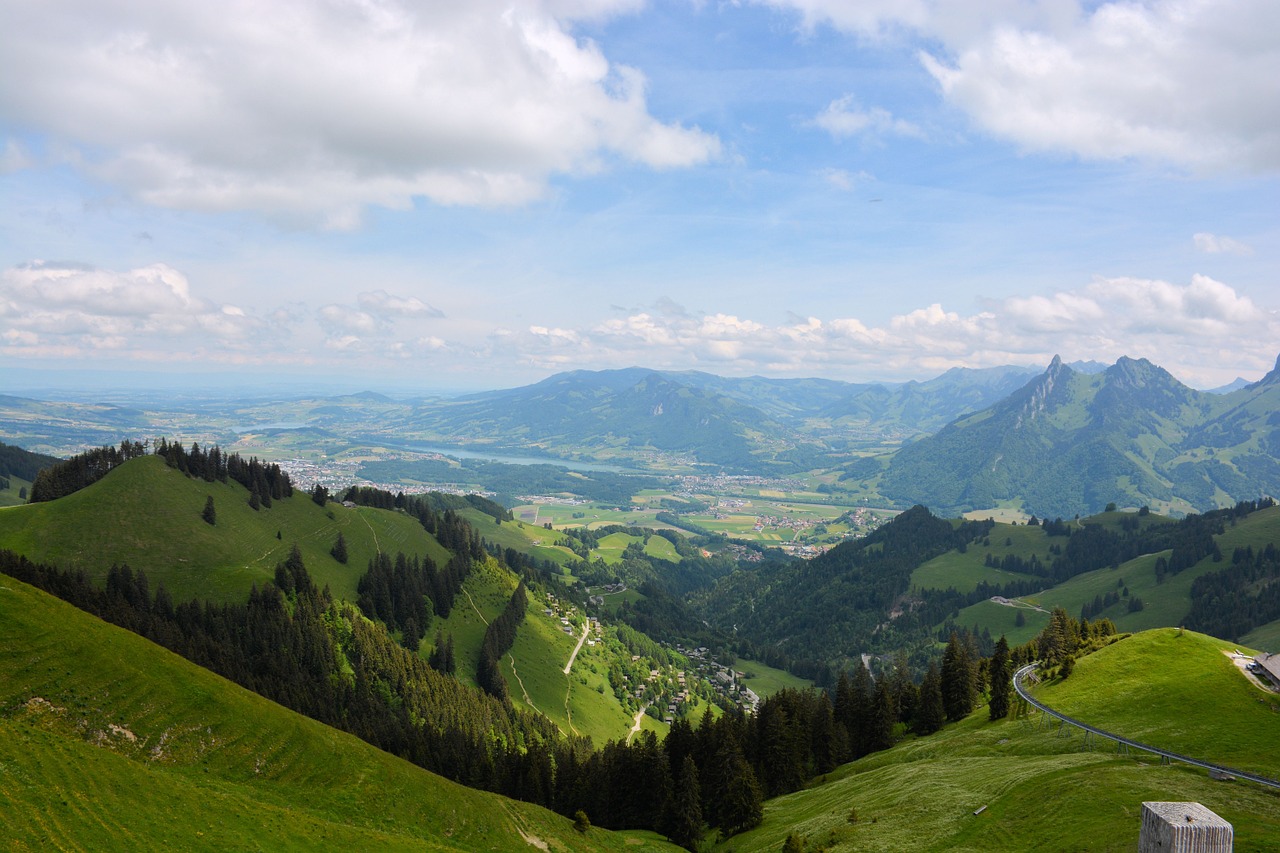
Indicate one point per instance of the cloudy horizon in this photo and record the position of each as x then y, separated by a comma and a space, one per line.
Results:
480, 196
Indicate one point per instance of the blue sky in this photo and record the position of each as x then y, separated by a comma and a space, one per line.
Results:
476, 195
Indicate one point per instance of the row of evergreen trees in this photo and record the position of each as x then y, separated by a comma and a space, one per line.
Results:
499, 637
265, 481
1233, 601
82, 470
405, 592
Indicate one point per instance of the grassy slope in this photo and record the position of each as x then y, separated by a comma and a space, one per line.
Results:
964, 571
521, 536
1164, 604
10, 496
124, 517
540, 652
1175, 689
213, 767
765, 680
1042, 791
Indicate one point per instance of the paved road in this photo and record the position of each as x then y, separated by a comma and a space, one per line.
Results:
586, 629
1026, 670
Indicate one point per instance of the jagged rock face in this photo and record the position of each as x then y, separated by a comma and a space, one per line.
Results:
1070, 443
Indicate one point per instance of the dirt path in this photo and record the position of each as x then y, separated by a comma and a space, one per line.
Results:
635, 728
1017, 602
376, 547
568, 712
477, 609
527, 700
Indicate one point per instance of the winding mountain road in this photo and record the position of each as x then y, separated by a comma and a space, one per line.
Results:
1164, 753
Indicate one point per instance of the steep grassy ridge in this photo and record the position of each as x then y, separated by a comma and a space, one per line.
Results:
109, 742
147, 515
1176, 690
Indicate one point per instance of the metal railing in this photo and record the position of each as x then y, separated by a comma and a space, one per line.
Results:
1163, 753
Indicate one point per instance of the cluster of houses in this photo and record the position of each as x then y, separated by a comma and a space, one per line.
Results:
562, 612
701, 484
675, 696
723, 679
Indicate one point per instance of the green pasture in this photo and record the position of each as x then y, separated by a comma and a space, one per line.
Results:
1038, 790
1174, 689
484, 595
10, 496
108, 742
520, 536
148, 516
765, 680
1164, 604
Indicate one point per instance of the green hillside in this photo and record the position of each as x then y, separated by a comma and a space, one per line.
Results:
108, 742
1176, 690
1164, 602
1042, 791
147, 515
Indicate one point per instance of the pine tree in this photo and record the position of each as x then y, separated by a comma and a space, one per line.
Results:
883, 717
1000, 681
210, 515
957, 680
339, 549
932, 712
741, 803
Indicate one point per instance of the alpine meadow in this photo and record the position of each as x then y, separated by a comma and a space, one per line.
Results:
793, 426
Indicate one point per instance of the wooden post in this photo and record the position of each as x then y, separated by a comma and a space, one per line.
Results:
1183, 828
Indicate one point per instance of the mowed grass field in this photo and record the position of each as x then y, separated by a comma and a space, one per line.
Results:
108, 742
147, 515
766, 681
1042, 791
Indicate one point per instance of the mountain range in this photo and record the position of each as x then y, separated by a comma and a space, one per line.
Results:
1061, 442
1069, 442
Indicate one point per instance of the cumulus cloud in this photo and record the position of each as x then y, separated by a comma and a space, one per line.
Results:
384, 304
1214, 244
843, 119
317, 110
1203, 331
370, 327
65, 307
1194, 83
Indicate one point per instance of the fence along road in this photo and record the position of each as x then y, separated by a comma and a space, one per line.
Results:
1163, 753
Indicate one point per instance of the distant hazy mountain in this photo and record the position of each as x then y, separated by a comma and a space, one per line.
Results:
1234, 385
603, 412
1069, 442
927, 406
752, 423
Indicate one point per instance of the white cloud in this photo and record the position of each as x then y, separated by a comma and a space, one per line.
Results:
388, 306
316, 111
1203, 331
63, 306
843, 119
1194, 83
1214, 244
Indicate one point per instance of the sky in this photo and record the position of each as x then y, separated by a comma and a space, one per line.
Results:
477, 195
